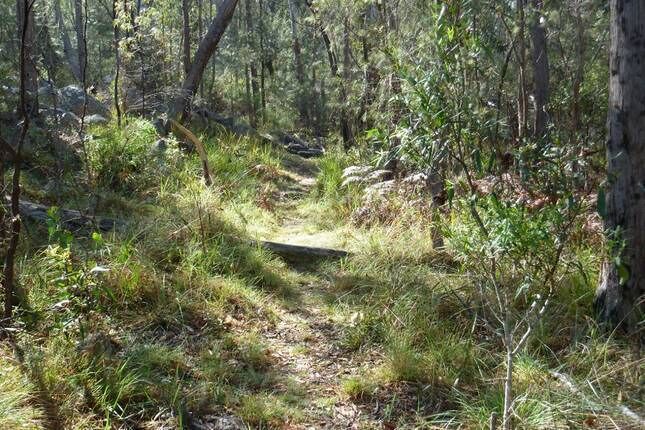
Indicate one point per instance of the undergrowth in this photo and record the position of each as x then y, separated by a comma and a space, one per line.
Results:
158, 323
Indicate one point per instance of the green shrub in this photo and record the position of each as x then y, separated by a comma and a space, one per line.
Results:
122, 158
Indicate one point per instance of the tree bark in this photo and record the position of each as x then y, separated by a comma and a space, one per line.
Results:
579, 73
117, 60
540, 69
343, 119
298, 66
205, 51
522, 99
253, 71
200, 34
81, 47
345, 124
7, 279
619, 298
185, 11
31, 73
70, 55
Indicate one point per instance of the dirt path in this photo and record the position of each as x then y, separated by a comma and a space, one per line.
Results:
306, 342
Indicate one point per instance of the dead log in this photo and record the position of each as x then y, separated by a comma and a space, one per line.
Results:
71, 220
298, 252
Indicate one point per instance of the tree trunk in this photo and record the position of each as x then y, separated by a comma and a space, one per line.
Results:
619, 298
522, 102
70, 55
345, 128
200, 34
31, 73
345, 124
205, 51
117, 60
298, 66
250, 30
7, 278
81, 47
540, 69
579, 73
185, 10
248, 96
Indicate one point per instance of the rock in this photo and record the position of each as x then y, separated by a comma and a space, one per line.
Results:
224, 422
98, 344
12, 91
205, 117
378, 176
310, 153
64, 118
295, 147
159, 147
356, 171
72, 98
96, 119
47, 91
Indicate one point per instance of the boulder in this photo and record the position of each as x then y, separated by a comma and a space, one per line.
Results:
206, 117
96, 119
63, 117
72, 98
159, 147
11, 91
310, 153
46, 92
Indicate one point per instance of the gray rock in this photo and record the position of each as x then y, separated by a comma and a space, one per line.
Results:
63, 117
310, 153
72, 98
98, 344
46, 92
159, 147
96, 119
224, 422
12, 91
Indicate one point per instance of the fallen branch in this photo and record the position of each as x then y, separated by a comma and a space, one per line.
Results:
70, 219
622, 409
302, 252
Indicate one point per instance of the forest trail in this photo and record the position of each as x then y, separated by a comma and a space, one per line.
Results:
306, 342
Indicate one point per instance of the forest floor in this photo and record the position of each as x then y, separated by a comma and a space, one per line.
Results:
195, 327
306, 342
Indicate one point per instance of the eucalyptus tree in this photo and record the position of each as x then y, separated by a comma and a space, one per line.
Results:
621, 294
206, 48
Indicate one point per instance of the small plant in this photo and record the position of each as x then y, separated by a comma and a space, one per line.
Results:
358, 387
